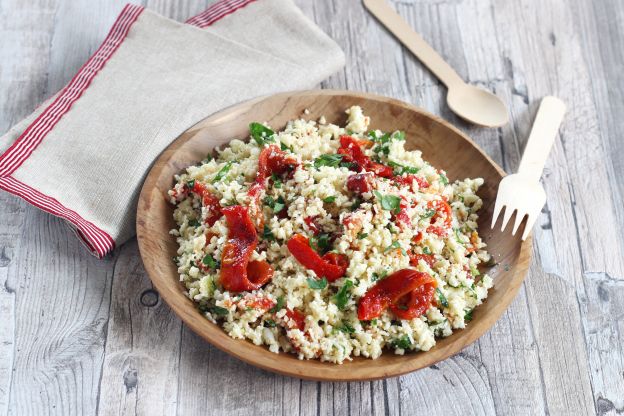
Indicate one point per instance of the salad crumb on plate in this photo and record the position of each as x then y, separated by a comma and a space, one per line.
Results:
329, 242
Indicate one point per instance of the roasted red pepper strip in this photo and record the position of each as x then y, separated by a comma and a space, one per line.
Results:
209, 201
237, 273
401, 216
271, 160
415, 303
297, 317
351, 150
331, 266
311, 223
389, 291
408, 180
415, 258
443, 210
359, 183
274, 160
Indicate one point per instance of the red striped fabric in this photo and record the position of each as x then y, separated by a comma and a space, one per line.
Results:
217, 11
98, 241
34, 134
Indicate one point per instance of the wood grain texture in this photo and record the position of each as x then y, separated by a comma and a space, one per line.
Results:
522, 50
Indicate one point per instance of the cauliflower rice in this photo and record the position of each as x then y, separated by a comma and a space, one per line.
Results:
393, 225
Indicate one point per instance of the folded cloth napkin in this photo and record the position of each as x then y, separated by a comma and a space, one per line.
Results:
83, 154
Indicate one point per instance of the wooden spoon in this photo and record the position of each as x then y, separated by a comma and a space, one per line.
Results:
473, 104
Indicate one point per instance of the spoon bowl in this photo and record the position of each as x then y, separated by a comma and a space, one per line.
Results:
477, 105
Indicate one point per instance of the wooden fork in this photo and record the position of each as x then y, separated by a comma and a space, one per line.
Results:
522, 191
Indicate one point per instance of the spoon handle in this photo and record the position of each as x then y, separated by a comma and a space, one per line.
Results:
412, 41
543, 134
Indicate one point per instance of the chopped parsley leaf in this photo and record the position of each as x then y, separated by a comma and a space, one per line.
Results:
267, 234
194, 223
444, 179
219, 311
279, 305
317, 284
223, 172
346, 328
329, 199
342, 297
379, 276
331, 160
362, 235
277, 182
428, 214
389, 202
395, 245
403, 342
269, 323
426, 250
321, 243
442, 300
190, 184
209, 261
260, 133
468, 315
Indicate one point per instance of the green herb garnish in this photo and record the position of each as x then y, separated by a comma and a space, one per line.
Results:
317, 284
342, 297
279, 305
194, 223
329, 199
362, 236
277, 182
442, 300
400, 169
444, 179
267, 234
468, 315
426, 250
260, 133
346, 328
395, 245
190, 184
331, 160
209, 261
321, 243
428, 214
223, 172
378, 276
218, 310
275, 204
286, 148
389, 202
269, 323
403, 342
356, 204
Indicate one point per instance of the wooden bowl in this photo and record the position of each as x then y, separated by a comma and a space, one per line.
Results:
442, 145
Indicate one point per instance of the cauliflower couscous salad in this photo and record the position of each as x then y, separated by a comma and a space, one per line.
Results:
329, 242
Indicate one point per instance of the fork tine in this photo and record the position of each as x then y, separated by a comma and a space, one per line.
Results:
519, 217
508, 213
497, 209
529, 225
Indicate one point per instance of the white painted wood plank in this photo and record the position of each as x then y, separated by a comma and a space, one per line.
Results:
141, 358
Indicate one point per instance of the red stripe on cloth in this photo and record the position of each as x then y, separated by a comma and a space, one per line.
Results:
217, 11
98, 241
36, 132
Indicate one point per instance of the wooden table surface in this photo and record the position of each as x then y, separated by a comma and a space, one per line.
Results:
83, 336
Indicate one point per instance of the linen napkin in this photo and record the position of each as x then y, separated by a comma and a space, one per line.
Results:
83, 154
